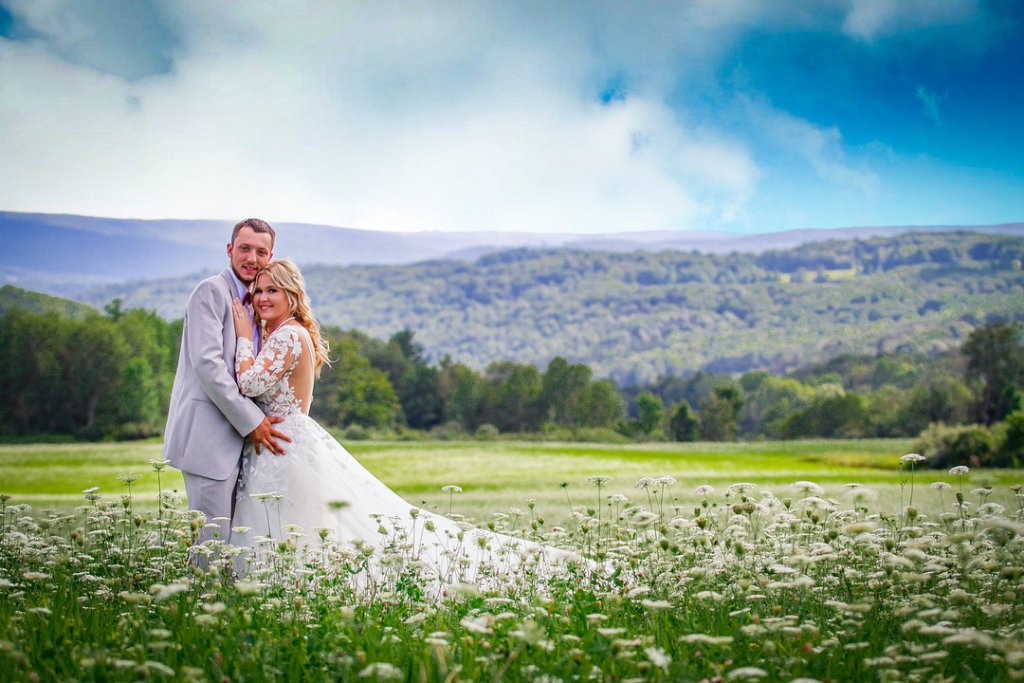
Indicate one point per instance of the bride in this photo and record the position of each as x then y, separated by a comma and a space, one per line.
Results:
317, 485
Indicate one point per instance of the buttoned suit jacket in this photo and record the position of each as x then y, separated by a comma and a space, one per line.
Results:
208, 417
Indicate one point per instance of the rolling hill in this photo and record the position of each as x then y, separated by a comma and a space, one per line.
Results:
638, 315
65, 254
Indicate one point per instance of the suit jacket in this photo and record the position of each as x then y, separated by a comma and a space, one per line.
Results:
208, 418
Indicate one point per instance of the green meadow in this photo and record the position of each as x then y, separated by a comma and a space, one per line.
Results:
496, 476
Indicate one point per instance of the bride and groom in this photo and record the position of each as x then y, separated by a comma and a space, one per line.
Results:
238, 426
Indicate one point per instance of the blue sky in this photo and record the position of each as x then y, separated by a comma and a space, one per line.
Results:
541, 116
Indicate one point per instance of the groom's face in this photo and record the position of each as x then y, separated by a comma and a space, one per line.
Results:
249, 252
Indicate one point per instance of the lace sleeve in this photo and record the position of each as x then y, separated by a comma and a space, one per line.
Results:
277, 359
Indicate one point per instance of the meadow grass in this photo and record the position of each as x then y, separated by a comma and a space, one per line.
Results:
734, 583
496, 476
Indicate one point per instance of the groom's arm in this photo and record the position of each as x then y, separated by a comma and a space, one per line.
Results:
205, 332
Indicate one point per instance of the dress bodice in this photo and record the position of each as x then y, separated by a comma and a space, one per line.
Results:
280, 379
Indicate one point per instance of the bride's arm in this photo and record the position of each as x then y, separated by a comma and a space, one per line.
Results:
277, 358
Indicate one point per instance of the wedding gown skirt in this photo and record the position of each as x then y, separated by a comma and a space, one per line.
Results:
319, 487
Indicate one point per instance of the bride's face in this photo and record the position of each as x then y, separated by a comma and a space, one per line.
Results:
270, 301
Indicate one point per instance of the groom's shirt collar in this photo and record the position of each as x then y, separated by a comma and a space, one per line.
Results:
240, 288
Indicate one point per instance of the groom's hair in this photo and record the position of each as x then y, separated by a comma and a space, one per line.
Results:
256, 225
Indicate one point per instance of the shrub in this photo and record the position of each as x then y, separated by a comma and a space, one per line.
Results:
486, 432
1011, 449
449, 431
355, 432
945, 447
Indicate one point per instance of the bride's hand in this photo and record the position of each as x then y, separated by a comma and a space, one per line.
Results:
242, 326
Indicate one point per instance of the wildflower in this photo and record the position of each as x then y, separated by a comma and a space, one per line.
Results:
247, 587
645, 482
746, 673
161, 592
159, 465
611, 632
912, 458
704, 639
940, 485
970, 636
656, 604
658, 657
481, 624
382, 671
739, 489
129, 478
704, 490
451, 488
808, 488
959, 470
599, 480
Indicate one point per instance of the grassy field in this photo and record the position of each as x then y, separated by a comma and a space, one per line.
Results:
496, 476
760, 588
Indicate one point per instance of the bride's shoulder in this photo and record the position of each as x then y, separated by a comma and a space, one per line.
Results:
291, 332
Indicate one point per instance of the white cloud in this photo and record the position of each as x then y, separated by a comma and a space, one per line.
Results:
819, 148
400, 116
432, 117
870, 19
930, 102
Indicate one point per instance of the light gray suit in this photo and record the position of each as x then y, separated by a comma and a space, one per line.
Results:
208, 418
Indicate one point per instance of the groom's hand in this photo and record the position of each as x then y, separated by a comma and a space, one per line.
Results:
266, 435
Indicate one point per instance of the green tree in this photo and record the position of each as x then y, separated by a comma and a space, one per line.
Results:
459, 387
600, 405
719, 414
830, 416
365, 396
768, 401
684, 425
511, 397
995, 367
562, 388
943, 399
650, 414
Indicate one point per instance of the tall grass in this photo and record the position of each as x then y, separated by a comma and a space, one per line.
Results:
739, 584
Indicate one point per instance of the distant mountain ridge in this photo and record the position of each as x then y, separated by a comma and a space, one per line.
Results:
635, 316
66, 254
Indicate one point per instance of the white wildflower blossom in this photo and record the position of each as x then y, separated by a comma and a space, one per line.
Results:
382, 671
746, 673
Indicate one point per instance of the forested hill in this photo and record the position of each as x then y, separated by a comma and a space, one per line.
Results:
637, 316
15, 297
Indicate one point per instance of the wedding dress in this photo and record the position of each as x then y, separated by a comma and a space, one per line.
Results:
319, 487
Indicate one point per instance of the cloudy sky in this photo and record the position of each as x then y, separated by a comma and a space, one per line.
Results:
547, 116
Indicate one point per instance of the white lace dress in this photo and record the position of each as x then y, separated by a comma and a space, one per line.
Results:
317, 484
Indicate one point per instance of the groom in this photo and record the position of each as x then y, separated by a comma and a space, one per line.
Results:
209, 419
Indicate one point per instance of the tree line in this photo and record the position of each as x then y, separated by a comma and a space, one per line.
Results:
635, 317
109, 375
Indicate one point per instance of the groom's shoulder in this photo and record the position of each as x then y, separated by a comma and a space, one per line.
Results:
212, 285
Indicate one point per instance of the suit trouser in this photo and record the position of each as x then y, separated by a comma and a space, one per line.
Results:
214, 498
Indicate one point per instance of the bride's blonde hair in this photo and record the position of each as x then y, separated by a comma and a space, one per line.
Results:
286, 275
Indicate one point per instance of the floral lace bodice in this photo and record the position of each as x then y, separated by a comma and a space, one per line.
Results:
272, 381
